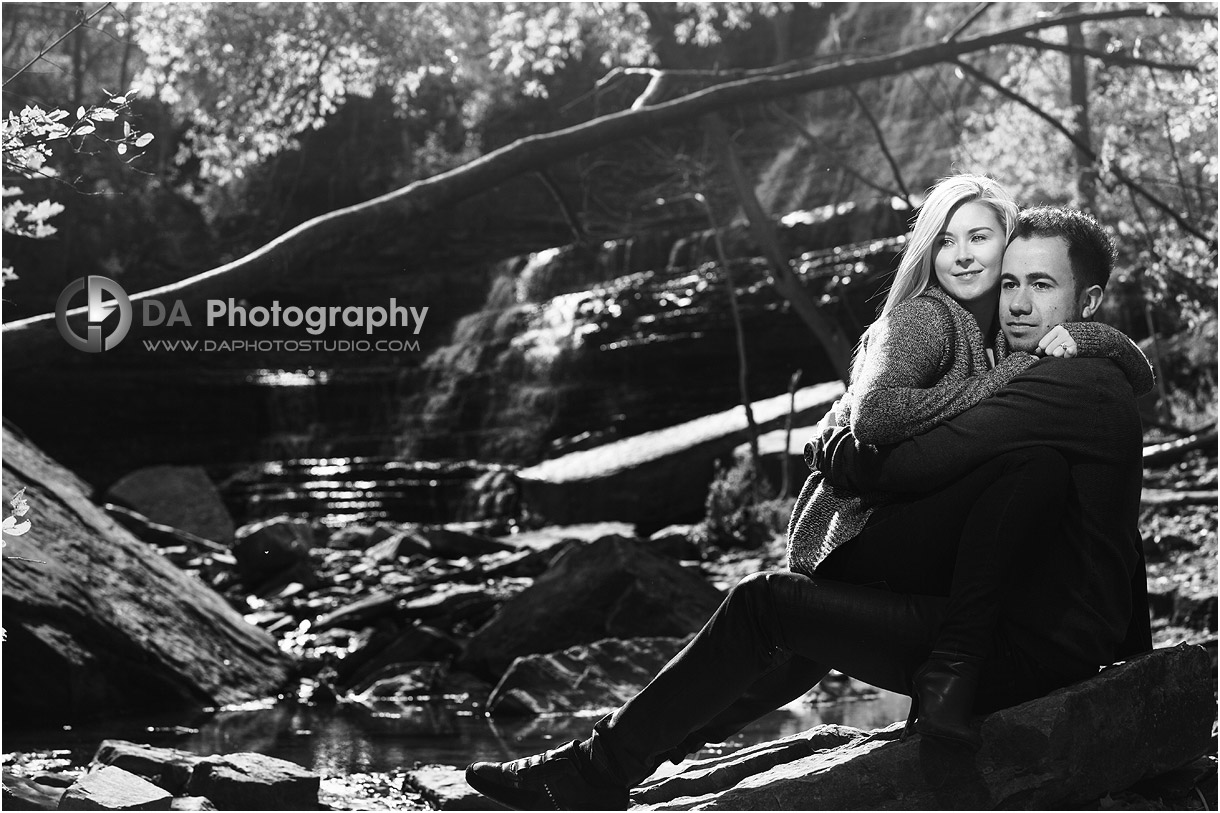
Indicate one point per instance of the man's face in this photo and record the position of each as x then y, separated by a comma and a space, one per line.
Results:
1038, 291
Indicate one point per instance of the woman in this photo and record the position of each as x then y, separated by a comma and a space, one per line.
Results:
932, 354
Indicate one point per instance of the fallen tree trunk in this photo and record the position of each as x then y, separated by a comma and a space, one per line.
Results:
1159, 454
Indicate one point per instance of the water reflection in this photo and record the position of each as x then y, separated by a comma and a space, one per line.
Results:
349, 738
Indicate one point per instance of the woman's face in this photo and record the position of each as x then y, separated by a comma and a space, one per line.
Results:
969, 252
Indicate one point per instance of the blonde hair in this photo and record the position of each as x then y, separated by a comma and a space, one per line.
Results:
914, 274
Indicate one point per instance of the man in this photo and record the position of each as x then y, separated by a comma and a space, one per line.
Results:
1077, 601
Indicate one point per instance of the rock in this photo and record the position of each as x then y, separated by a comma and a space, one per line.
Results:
454, 544
452, 602
192, 803
23, 793
720, 773
548, 537
596, 678
168, 768
248, 781
444, 788
361, 537
611, 588
99, 622
1137, 719
527, 563
358, 614
399, 683
399, 546
276, 550
389, 646
659, 477
182, 497
676, 542
111, 788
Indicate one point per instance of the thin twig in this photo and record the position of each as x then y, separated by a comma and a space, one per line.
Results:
1087, 151
1124, 60
1173, 151
966, 23
820, 145
51, 47
885, 149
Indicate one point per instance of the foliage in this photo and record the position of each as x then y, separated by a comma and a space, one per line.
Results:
45, 146
255, 76
29, 142
19, 508
740, 512
1156, 126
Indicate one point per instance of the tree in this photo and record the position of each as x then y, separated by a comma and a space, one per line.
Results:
34, 137
1151, 122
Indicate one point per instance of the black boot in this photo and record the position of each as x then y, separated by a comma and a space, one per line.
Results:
554, 780
944, 689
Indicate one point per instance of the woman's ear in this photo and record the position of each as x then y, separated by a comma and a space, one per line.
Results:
1090, 301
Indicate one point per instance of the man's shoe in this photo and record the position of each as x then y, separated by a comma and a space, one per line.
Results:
547, 781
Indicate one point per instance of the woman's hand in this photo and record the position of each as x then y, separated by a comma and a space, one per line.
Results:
1057, 342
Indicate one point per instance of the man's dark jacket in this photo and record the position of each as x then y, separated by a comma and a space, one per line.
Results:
1090, 600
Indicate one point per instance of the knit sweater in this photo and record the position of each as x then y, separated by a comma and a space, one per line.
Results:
924, 363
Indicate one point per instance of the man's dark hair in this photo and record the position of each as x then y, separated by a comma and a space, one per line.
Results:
1090, 250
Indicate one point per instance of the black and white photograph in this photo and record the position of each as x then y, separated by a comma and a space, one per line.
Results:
605, 406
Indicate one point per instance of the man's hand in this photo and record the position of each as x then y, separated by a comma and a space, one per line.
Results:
1057, 342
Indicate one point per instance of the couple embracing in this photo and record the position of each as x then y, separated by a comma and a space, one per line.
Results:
968, 533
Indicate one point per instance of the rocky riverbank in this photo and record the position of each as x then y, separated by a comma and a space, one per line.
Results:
383, 617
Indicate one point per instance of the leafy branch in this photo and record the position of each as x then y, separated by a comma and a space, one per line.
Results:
1088, 153
27, 142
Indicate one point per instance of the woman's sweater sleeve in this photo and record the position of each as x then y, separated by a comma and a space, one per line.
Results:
901, 389
1097, 340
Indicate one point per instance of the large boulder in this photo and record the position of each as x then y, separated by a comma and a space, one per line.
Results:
612, 588
597, 678
249, 781
274, 551
111, 788
99, 623
1133, 721
167, 768
181, 497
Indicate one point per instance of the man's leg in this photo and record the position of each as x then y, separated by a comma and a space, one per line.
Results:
913, 546
874, 635
778, 687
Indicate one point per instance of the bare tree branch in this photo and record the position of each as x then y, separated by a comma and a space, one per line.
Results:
885, 149
820, 145
834, 341
82, 22
1085, 150
966, 23
569, 214
1124, 60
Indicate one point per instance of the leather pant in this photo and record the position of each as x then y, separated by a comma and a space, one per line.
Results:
874, 610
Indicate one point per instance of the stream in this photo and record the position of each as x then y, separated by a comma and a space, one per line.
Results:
344, 739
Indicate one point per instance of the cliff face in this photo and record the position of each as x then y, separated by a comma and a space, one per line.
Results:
538, 370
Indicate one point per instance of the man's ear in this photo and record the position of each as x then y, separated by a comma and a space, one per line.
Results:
1090, 300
